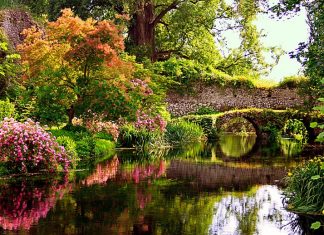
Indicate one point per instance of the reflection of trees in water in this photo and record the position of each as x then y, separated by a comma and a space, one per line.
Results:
290, 147
236, 145
103, 172
138, 173
112, 170
24, 202
257, 213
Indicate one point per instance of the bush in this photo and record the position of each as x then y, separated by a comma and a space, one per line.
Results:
7, 109
206, 110
103, 147
294, 128
26, 147
206, 122
86, 147
180, 132
70, 147
83, 145
305, 190
293, 82
139, 138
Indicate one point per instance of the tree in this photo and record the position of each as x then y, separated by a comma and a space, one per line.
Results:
161, 29
76, 65
310, 53
9, 67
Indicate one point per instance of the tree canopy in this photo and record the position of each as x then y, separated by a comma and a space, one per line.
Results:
190, 29
309, 53
77, 66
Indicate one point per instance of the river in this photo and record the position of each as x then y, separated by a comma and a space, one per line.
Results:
233, 186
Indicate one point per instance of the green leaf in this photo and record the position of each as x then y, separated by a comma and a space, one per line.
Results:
320, 137
316, 225
313, 124
315, 177
319, 108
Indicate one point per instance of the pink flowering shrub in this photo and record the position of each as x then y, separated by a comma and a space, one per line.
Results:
150, 123
95, 124
26, 147
142, 86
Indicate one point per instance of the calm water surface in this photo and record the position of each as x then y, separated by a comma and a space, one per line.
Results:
229, 187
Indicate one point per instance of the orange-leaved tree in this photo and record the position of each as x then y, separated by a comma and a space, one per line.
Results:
75, 65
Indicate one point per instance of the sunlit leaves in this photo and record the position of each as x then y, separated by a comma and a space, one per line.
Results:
79, 63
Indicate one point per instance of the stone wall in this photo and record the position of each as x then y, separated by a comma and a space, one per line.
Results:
223, 99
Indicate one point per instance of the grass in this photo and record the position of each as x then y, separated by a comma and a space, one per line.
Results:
180, 132
305, 187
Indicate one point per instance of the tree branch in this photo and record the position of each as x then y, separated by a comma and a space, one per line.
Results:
173, 5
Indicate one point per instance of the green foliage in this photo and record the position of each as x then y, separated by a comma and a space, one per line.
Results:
104, 147
130, 137
293, 82
305, 190
309, 53
183, 73
320, 137
294, 128
181, 132
70, 148
82, 145
206, 110
207, 122
86, 147
7, 109
9, 68
273, 132
69, 145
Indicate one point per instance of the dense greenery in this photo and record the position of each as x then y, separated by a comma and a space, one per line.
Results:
181, 132
305, 189
309, 53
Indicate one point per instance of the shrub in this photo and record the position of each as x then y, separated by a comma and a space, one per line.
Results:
86, 147
70, 147
206, 110
293, 82
103, 147
7, 109
206, 122
130, 136
26, 147
149, 123
95, 124
180, 132
294, 128
305, 191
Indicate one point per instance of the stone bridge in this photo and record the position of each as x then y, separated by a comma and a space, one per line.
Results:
261, 119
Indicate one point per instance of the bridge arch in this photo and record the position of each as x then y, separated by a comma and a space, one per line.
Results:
262, 118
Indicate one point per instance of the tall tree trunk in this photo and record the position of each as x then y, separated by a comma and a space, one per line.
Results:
71, 113
141, 32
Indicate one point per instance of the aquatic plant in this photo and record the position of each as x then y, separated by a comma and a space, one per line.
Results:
305, 190
27, 147
179, 132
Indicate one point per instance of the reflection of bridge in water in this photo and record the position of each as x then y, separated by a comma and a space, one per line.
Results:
215, 176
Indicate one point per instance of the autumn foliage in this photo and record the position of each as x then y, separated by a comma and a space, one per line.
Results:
77, 66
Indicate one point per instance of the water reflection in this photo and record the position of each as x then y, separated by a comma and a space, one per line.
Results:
259, 211
290, 147
24, 202
233, 145
194, 190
